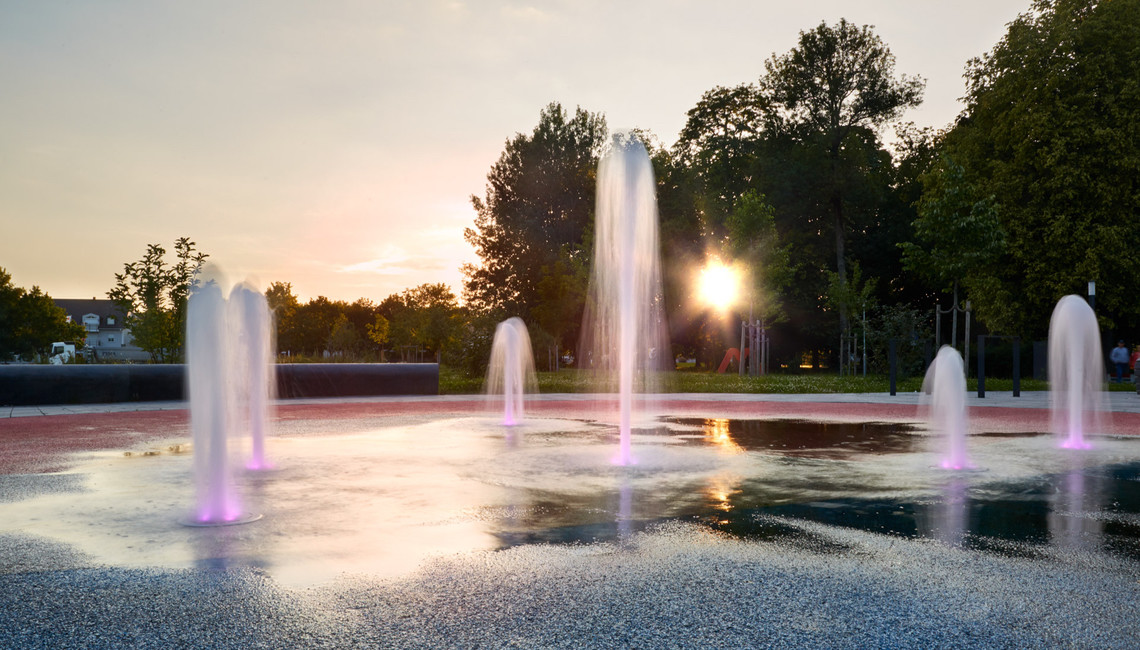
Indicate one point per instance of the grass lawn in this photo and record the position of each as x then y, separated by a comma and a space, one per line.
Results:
452, 382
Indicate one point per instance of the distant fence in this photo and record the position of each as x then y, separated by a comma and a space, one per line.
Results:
33, 385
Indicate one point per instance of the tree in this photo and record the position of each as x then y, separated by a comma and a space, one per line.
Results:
958, 236
719, 144
829, 94
427, 316
538, 207
1051, 131
153, 296
283, 304
752, 237
562, 297
30, 322
344, 340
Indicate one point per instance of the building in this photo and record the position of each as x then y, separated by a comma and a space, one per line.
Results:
107, 337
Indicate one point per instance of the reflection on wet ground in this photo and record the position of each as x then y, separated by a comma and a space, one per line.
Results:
1089, 507
380, 500
807, 438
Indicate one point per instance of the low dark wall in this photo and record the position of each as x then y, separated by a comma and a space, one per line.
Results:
34, 385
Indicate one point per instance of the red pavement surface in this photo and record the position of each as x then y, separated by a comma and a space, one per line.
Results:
41, 444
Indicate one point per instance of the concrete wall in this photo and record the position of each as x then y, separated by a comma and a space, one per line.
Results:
33, 385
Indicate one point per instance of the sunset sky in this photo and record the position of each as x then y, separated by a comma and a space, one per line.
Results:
335, 145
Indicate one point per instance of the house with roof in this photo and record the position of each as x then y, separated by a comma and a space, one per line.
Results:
107, 337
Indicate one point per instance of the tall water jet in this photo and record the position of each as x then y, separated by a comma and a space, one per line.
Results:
1076, 371
207, 351
511, 371
625, 326
945, 384
251, 370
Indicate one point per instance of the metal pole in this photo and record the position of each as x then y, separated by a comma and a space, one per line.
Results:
966, 356
937, 325
766, 358
1016, 367
864, 341
740, 356
981, 366
755, 356
892, 359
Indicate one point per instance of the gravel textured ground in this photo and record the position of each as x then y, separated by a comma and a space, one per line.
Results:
679, 586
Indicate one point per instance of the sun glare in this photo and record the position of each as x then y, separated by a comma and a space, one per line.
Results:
718, 285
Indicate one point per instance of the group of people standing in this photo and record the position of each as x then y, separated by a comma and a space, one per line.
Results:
1123, 360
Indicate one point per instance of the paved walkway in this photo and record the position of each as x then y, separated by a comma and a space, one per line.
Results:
1115, 401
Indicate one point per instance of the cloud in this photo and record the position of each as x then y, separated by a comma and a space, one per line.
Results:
394, 261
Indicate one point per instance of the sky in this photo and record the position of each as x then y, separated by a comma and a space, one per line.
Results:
336, 145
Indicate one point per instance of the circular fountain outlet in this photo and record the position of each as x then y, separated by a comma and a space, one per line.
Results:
196, 523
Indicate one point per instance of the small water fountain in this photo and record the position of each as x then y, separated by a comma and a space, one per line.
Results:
251, 370
624, 322
211, 347
511, 371
1076, 371
945, 384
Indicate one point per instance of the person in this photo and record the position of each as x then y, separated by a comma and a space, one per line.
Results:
1120, 357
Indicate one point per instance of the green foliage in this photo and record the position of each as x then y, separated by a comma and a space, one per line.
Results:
910, 329
826, 98
344, 340
851, 294
427, 316
153, 294
959, 236
378, 330
719, 144
284, 306
1051, 131
752, 239
538, 207
835, 79
30, 322
562, 296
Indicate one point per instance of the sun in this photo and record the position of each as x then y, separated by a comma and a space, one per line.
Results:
718, 285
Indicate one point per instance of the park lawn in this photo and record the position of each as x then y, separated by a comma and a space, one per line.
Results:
453, 382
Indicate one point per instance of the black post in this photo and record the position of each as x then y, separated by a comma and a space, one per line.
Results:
1016, 367
981, 366
892, 355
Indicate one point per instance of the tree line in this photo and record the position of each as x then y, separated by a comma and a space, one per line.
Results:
1031, 193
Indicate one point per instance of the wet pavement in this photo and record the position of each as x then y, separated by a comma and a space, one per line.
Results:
745, 522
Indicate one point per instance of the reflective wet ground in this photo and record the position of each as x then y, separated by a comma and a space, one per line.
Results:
383, 500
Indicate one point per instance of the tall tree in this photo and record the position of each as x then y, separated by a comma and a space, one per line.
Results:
538, 207
1051, 131
153, 293
719, 144
827, 93
30, 322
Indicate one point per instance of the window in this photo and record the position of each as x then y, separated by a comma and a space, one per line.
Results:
110, 320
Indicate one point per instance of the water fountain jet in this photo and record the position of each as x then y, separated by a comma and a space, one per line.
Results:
210, 381
624, 321
945, 384
251, 367
511, 370
1076, 371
